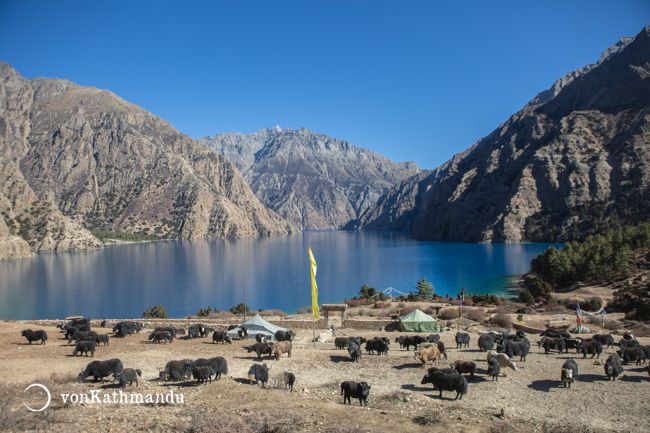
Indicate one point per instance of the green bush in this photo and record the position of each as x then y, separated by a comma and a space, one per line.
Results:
632, 298
526, 297
156, 312
240, 309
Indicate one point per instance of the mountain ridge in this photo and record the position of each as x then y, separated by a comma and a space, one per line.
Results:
314, 180
548, 172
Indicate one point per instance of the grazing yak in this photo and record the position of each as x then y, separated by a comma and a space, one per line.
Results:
632, 354
354, 351
128, 375
379, 345
360, 390
221, 337
446, 382
242, 332
280, 348
203, 374
462, 340
84, 347
503, 360
426, 355
218, 364
289, 380
34, 335
613, 367
82, 336
284, 335
569, 372
555, 333
549, 343
259, 373
494, 369
342, 342
607, 340
172, 331
100, 338
464, 367
486, 341
261, 349
591, 347
101, 369
194, 331
177, 370
514, 348
158, 336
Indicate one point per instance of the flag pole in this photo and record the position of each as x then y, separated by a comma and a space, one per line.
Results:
244, 302
314, 295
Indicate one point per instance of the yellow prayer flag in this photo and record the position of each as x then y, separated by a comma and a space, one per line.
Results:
314, 287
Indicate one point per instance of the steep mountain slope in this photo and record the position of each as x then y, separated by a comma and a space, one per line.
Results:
568, 166
111, 165
27, 224
313, 180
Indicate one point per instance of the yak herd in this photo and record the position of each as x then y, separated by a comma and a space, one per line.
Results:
503, 349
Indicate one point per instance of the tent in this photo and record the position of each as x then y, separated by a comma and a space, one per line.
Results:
257, 325
417, 321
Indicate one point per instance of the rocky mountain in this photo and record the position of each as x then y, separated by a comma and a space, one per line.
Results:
313, 180
82, 158
572, 162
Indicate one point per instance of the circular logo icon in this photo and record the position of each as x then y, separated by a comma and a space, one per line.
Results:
47, 391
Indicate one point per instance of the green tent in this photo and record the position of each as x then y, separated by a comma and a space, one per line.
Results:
417, 321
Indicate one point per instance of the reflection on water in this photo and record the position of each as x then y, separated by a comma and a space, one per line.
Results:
121, 281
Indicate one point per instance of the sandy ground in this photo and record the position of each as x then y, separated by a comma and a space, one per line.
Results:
531, 398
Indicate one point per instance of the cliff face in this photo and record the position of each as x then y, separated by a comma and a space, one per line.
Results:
313, 180
102, 163
27, 224
572, 163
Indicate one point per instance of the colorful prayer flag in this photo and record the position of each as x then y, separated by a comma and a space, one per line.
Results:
578, 316
314, 288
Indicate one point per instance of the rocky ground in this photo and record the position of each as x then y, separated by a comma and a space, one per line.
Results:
530, 399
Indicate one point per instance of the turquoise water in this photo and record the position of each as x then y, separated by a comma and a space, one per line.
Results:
121, 281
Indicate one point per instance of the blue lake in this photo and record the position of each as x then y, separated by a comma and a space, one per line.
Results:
121, 281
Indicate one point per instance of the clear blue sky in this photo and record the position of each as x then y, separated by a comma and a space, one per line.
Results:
414, 80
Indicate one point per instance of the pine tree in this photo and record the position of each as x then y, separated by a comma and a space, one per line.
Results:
425, 289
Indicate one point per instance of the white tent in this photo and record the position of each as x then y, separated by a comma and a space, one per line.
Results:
257, 325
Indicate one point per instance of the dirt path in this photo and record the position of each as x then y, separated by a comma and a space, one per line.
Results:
529, 397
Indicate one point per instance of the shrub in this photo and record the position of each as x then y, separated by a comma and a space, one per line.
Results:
272, 312
352, 303
502, 320
305, 310
156, 312
540, 289
220, 315
475, 314
613, 325
407, 310
382, 304
526, 297
594, 320
448, 313
430, 311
